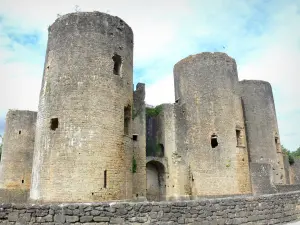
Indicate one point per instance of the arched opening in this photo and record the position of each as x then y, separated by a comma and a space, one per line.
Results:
117, 64
156, 189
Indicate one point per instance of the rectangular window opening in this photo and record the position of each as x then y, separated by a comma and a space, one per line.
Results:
54, 123
238, 138
277, 144
135, 137
105, 179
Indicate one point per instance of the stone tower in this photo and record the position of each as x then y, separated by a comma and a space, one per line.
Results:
212, 118
83, 149
18, 144
262, 135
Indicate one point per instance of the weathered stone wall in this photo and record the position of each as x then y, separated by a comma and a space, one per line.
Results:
288, 188
17, 153
261, 174
84, 124
295, 172
261, 127
177, 171
139, 144
269, 209
206, 91
287, 166
14, 195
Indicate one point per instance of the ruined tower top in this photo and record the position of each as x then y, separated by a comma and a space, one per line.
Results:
78, 22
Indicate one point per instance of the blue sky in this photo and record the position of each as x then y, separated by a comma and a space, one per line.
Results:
262, 35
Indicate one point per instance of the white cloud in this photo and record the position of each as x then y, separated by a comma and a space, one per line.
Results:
19, 89
161, 91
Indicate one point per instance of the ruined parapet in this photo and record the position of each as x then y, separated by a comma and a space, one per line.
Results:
17, 153
139, 143
261, 127
83, 150
210, 111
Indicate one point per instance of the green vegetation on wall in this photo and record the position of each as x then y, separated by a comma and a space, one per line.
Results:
151, 112
292, 155
134, 165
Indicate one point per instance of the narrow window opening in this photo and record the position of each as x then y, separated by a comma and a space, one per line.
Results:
137, 195
161, 152
19, 132
127, 117
117, 64
22, 181
238, 137
277, 144
105, 178
214, 141
135, 137
54, 123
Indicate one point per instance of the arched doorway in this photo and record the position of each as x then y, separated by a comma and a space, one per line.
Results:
156, 188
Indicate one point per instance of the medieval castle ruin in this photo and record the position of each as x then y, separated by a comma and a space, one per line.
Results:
93, 139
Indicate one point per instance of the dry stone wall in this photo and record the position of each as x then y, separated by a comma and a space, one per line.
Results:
267, 209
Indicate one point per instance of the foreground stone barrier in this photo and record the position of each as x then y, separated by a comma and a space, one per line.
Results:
266, 209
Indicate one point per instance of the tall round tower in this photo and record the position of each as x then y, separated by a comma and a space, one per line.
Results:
83, 149
261, 126
206, 90
17, 153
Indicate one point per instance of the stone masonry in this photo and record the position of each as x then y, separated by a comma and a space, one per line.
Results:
83, 143
94, 140
16, 159
268, 209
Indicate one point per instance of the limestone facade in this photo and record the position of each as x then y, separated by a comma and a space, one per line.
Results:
94, 139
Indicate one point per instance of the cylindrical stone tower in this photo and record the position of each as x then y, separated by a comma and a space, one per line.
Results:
206, 90
83, 149
261, 127
17, 153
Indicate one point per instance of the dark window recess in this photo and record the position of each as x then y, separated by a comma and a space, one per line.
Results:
105, 179
135, 137
54, 123
238, 137
22, 181
117, 64
127, 117
277, 144
214, 141
161, 152
19, 132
